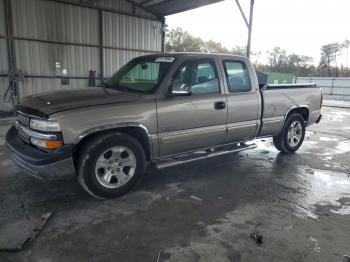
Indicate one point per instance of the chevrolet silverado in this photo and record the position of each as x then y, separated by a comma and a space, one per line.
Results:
162, 109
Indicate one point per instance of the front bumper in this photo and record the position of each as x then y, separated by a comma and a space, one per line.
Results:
44, 165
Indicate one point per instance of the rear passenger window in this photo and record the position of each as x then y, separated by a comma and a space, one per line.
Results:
237, 76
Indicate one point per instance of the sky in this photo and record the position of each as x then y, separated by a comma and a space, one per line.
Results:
298, 26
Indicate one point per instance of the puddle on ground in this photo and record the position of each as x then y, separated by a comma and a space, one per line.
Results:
308, 134
266, 146
333, 116
343, 147
328, 139
323, 188
318, 148
346, 113
314, 246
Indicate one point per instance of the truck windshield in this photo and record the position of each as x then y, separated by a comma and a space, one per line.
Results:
140, 75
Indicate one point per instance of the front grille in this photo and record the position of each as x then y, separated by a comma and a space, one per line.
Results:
23, 119
23, 136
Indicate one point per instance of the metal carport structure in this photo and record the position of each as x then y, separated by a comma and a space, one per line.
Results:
55, 44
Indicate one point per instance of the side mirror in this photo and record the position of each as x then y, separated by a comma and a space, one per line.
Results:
180, 89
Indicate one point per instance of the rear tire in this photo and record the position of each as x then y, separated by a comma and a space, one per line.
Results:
111, 165
292, 135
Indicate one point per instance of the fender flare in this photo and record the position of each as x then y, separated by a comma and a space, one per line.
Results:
108, 127
293, 108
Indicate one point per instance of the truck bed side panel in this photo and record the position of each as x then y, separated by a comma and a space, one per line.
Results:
278, 103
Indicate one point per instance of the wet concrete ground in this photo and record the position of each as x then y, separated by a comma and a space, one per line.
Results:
198, 212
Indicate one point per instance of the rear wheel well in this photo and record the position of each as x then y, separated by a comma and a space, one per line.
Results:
304, 111
134, 131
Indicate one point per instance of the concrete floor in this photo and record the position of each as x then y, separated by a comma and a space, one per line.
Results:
204, 211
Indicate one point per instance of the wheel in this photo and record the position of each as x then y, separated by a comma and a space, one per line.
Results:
111, 165
292, 135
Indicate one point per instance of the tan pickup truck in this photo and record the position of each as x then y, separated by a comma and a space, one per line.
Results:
163, 109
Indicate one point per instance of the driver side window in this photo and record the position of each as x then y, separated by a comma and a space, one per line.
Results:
201, 76
181, 80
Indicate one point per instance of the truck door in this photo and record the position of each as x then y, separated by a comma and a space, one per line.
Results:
243, 101
187, 123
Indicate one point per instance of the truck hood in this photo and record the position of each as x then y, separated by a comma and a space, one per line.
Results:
49, 103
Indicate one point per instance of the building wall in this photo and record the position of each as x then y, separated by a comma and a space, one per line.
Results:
280, 78
101, 37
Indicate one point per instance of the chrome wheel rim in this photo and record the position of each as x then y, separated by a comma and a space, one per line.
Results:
295, 133
115, 167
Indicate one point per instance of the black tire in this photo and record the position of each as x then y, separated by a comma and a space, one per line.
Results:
281, 141
94, 149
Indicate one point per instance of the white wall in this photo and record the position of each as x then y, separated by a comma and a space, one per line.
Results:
329, 85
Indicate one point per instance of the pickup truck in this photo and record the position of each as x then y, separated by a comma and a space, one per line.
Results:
161, 109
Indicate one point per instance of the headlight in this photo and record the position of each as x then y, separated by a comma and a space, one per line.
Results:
44, 125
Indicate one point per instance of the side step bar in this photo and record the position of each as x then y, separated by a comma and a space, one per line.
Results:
183, 159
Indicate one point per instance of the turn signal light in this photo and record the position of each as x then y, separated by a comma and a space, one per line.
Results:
46, 144
53, 144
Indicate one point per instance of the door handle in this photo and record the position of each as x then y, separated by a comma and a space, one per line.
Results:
220, 105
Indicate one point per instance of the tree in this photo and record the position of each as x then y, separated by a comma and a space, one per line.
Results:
329, 56
178, 40
181, 41
214, 47
281, 61
346, 45
239, 50
299, 64
277, 59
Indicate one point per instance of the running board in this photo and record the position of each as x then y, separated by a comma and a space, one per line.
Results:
183, 159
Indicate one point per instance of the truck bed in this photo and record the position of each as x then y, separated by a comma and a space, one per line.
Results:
288, 86
278, 100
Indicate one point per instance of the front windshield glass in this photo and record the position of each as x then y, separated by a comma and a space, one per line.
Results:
140, 75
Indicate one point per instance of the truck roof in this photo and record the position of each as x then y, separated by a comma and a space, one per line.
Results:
193, 55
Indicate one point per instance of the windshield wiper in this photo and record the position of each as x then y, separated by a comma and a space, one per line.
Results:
124, 88
117, 86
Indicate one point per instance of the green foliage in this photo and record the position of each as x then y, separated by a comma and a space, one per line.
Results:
178, 40
280, 61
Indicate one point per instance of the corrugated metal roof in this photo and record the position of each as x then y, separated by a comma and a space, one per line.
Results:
125, 6
131, 28
169, 7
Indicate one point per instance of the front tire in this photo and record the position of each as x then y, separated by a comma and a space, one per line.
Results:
111, 165
292, 135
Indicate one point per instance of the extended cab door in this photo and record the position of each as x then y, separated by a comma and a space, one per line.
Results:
187, 123
243, 100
